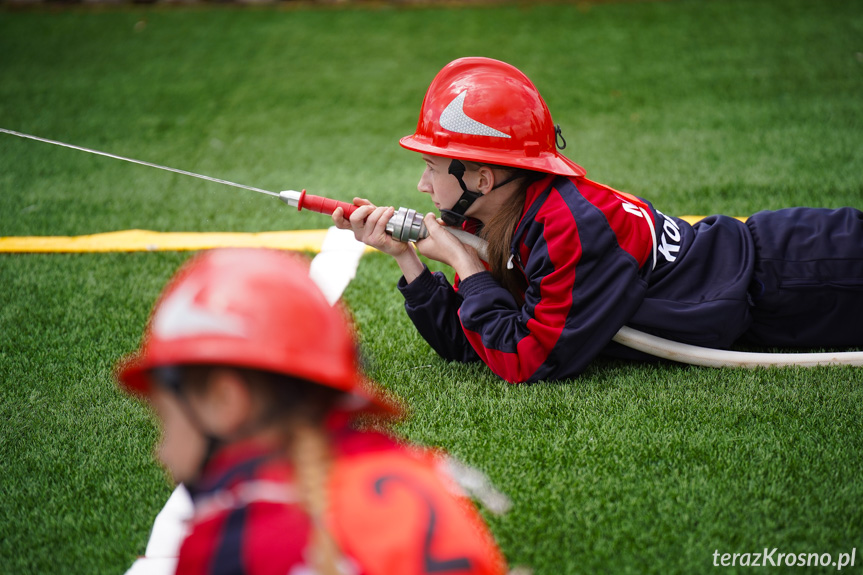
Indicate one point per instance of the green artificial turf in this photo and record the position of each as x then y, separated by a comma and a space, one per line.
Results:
721, 106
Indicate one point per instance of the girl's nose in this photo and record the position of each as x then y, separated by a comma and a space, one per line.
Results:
424, 185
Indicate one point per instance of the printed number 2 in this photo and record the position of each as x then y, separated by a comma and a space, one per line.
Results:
430, 564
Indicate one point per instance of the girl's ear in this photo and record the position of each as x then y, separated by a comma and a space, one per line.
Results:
485, 183
225, 404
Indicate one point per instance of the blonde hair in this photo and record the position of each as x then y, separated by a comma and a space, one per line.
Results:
312, 459
305, 406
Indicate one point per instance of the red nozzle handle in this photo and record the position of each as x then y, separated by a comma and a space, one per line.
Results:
323, 205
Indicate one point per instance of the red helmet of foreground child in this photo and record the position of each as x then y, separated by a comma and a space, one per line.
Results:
485, 110
255, 309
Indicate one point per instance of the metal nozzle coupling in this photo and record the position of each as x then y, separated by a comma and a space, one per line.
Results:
406, 225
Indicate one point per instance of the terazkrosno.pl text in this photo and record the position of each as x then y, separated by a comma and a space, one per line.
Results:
775, 558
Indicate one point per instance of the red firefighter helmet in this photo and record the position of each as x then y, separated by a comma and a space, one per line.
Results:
485, 110
255, 309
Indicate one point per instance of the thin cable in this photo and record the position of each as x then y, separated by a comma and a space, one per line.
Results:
142, 163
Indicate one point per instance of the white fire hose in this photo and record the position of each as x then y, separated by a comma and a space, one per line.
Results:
694, 355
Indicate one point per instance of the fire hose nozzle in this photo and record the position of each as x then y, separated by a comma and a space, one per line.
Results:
406, 225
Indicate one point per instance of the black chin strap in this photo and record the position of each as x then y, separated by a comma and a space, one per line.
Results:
455, 215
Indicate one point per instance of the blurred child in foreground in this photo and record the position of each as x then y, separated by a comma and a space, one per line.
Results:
254, 378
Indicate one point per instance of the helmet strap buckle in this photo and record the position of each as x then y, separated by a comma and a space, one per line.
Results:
455, 215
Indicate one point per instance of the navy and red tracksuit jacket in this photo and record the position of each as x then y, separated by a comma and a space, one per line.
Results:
390, 510
596, 259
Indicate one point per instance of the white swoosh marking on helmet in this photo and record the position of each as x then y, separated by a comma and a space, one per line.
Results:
179, 317
455, 120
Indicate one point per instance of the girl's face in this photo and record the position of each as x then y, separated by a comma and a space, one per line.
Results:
218, 403
436, 181
182, 446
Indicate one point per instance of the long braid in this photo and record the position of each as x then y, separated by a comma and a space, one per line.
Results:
312, 459
301, 408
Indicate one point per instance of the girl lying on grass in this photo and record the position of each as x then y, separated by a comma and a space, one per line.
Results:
255, 381
570, 261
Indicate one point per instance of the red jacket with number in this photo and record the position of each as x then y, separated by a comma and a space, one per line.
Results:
390, 511
594, 259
